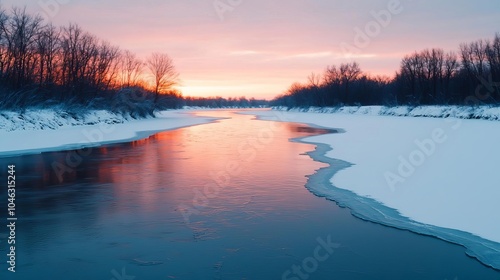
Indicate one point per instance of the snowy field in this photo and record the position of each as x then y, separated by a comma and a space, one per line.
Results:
438, 173
46, 130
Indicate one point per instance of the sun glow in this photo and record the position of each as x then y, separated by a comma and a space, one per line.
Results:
212, 89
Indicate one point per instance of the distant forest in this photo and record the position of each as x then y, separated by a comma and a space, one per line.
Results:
470, 76
42, 65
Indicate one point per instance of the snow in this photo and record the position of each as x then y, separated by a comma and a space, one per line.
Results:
42, 119
461, 112
438, 173
47, 130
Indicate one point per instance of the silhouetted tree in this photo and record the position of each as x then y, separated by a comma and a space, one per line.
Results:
163, 71
349, 72
48, 46
20, 31
331, 84
39, 62
131, 69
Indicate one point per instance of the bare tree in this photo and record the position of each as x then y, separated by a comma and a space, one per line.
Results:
4, 18
474, 58
48, 50
426, 75
331, 84
493, 56
87, 62
407, 77
451, 67
314, 84
131, 69
163, 71
104, 66
73, 60
75, 64
331, 76
349, 72
431, 74
314, 80
20, 31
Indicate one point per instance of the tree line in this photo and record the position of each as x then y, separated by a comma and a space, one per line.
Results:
41, 64
470, 76
220, 102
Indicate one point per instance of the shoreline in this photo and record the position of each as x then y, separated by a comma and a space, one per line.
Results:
320, 183
364, 208
92, 136
483, 112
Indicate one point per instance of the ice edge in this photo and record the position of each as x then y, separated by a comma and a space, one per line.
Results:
486, 251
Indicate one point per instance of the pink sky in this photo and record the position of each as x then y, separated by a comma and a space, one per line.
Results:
257, 48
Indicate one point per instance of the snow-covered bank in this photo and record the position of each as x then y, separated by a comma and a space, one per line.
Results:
460, 112
46, 130
46, 119
432, 176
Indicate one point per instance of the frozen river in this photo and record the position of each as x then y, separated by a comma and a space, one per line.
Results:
225, 200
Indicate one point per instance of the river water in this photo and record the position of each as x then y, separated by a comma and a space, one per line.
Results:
224, 200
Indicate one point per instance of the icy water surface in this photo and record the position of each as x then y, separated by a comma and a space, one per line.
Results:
218, 201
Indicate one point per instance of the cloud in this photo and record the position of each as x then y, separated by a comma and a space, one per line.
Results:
245, 52
323, 55
312, 55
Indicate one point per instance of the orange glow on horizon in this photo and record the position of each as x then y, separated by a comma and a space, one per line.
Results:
229, 84
230, 89
268, 90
